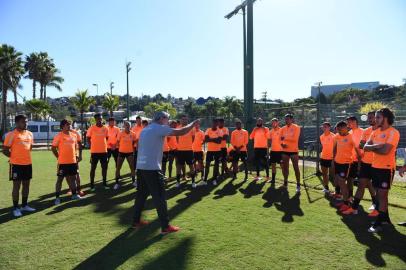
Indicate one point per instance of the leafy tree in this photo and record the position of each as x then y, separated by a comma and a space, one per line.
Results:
82, 101
111, 103
48, 75
351, 95
38, 108
153, 107
372, 106
33, 68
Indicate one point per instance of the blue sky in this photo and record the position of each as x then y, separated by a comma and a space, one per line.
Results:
187, 48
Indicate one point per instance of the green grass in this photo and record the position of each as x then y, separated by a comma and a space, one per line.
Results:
235, 225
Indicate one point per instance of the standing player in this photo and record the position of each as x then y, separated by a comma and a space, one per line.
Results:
225, 133
260, 135
356, 132
79, 159
173, 148
198, 150
113, 132
213, 138
17, 146
137, 128
97, 136
326, 157
65, 148
276, 148
185, 152
239, 142
126, 140
383, 143
290, 134
165, 156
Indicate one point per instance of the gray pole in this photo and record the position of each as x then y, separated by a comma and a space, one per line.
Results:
128, 91
250, 64
318, 128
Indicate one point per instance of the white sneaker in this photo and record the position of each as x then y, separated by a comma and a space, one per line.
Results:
177, 185
297, 189
76, 197
27, 209
17, 212
193, 185
374, 229
258, 178
203, 183
214, 183
372, 207
326, 191
135, 184
57, 201
116, 186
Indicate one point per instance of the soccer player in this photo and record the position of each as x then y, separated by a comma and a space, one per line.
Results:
276, 148
173, 148
356, 132
165, 156
150, 178
365, 176
383, 143
65, 148
213, 138
126, 140
17, 147
113, 132
97, 136
260, 135
226, 133
239, 142
79, 159
198, 150
185, 153
326, 157
137, 128
290, 134
342, 154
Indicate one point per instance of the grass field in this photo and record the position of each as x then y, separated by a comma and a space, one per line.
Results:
236, 225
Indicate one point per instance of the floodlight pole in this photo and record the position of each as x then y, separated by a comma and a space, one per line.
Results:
128, 68
318, 126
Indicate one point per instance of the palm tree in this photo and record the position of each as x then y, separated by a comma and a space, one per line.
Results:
11, 71
82, 102
38, 108
111, 103
33, 67
48, 75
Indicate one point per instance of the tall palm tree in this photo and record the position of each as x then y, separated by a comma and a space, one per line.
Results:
111, 103
33, 67
48, 75
82, 102
11, 71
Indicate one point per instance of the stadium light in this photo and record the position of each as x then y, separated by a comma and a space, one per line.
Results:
128, 68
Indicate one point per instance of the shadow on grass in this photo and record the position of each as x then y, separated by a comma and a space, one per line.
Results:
254, 188
229, 189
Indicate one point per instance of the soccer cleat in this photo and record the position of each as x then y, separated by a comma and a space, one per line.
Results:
326, 191
27, 209
17, 212
203, 183
193, 185
69, 193
258, 178
372, 207
76, 197
116, 186
343, 208
57, 201
170, 229
177, 185
339, 204
135, 184
214, 183
81, 193
375, 229
374, 213
350, 211
140, 224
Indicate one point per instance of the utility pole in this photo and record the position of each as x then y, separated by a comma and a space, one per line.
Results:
111, 88
128, 68
318, 126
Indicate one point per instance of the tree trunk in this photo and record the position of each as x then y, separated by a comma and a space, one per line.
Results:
111, 113
15, 100
4, 109
81, 128
45, 93
34, 90
41, 91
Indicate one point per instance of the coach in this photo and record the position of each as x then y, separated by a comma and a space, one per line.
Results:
149, 175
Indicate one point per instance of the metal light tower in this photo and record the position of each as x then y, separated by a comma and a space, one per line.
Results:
111, 88
128, 68
318, 84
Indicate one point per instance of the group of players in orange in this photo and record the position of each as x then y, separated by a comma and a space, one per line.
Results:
352, 153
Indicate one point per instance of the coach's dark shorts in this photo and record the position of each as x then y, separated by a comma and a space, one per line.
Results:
185, 157
382, 178
223, 153
198, 156
260, 153
353, 170
213, 155
20, 172
342, 170
172, 154
124, 155
236, 156
67, 169
326, 163
165, 156
365, 171
96, 157
275, 157
290, 153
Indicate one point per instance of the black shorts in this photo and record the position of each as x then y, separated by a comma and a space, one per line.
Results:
172, 154
353, 170
275, 157
260, 153
96, 157
184, 157
382, 178
113, 153
213, 155
20, 172
326, 163
366, 171
135, 158
236, 156
67, 169
165, 156
290, 153
342, 170
223, 154
124, 155
198, 156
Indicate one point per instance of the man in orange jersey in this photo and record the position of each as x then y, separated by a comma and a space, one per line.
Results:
260, 135
383, 143
113, 132
213, 138
356, 132
137, 128
365, 173
276, 148
126, 140
173, 148
226, 134
342, 154
326, 156
185, 152
17, 147
65, 148
198, 150
239, 142
97, 136
290, 135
